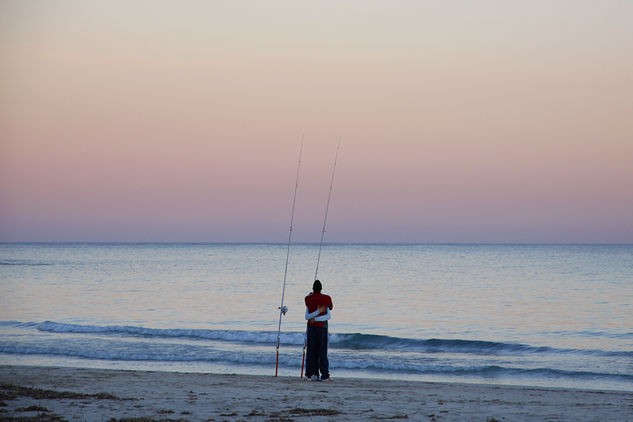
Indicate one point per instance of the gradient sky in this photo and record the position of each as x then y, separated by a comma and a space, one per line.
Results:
461, 121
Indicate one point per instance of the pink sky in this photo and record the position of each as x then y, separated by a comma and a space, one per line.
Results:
493, 121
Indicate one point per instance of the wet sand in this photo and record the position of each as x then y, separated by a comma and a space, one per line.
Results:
72, 394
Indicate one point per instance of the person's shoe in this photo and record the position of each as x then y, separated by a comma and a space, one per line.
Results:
328, 379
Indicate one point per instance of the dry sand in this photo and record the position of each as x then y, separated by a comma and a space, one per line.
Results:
32, 393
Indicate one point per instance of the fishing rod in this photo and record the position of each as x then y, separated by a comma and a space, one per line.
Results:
316, 271
327, 207
283, 309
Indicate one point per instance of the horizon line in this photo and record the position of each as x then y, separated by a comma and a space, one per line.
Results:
334, 243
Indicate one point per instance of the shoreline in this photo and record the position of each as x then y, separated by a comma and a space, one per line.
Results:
118, 395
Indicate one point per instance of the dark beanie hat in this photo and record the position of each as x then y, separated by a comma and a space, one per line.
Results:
317, 286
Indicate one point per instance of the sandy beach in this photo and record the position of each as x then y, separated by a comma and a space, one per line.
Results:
55, 394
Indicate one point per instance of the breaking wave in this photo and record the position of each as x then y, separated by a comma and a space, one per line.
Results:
354, 341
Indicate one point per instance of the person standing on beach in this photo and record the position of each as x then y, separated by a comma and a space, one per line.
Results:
318, 308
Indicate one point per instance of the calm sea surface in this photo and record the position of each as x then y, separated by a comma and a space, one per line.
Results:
547, 315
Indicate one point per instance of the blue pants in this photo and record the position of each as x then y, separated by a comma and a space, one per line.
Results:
316, 355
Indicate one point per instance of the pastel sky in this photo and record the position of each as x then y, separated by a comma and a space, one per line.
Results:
461, 121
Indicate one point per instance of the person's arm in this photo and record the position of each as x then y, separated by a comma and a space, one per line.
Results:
324, 317
309, 315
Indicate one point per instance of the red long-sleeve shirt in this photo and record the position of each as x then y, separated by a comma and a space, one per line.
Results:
313, 301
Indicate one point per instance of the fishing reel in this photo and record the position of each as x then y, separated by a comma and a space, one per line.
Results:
284, 309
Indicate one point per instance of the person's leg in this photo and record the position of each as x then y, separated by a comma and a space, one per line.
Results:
317, 351
324, 364
311, 352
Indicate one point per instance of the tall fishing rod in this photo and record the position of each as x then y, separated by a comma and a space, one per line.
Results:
316, 271
327, 207
283, 309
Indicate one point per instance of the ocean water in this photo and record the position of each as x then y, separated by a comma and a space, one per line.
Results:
541, 315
